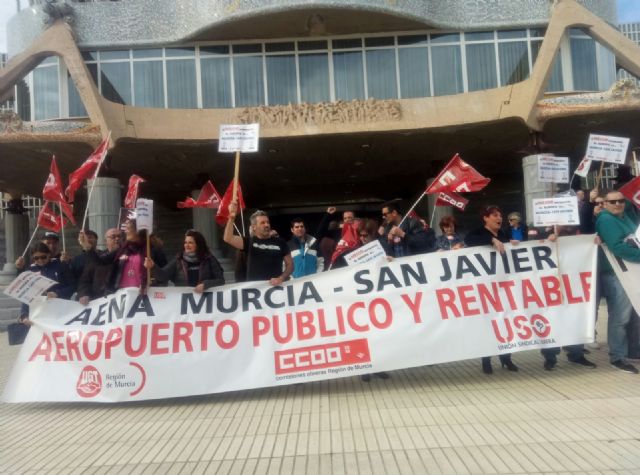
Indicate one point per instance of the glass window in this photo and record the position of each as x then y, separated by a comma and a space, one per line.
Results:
116, 82
348, 76
214, 50
314, 77
311, 45
90, 55
252, 48
76, 108
379, 41
479, 36
381, 74
147, 81
412, 40
109, 55
414, 72
583, 64
216, 82
537, 32
511, 34
481, 66
445, 38
181, 84
175, 52
447, 70
147, 53
347, 43
248, 81
281, 79
276, 47
555, 82
514, 62
45, 93
23, 101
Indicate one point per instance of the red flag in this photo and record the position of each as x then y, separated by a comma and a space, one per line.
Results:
350, 240
631, 191
222, 216
452, 199
87, 169
132, 191
458, 176
48, 219
208, 198
52, 190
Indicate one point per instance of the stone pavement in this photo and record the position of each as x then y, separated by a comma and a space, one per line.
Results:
449, 418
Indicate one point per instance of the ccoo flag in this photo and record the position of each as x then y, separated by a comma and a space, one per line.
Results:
458, 176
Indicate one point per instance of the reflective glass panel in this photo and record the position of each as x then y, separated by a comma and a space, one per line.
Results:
147, 80
116, 82
281, 79
76, 108
514, 62
216, 82
583, 64
481, 66
45, 92
555, 82
248, 81
381, 74
348, 75
447, 70
314, 77
181, 84
414, 72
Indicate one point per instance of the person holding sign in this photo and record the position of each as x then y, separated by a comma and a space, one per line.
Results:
616, 229
265, 253
491, 234
195, 266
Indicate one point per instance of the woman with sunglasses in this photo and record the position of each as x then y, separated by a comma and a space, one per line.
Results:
195, 266
53, 269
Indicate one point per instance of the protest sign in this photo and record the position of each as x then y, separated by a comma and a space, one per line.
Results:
606, 148
239, 138
553, 169
28, 286
367, 253
378, 316
144, 215
556, 211
628, 273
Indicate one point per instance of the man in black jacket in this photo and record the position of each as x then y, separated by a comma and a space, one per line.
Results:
406, 237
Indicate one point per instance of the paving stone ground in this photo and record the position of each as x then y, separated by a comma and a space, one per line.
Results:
448, 419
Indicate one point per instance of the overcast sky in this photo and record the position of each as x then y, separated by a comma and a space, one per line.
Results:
628, 12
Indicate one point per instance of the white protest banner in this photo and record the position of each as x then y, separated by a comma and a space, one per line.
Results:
553, 169
556, 211
239, 138
606, 148
379, 316
144, 215
367, 253
628, 273
27, 286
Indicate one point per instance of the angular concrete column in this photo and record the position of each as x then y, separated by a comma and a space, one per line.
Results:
533, 188
104, 207
16, 228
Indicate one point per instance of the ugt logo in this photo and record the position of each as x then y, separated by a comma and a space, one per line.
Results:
523, 327
89, 382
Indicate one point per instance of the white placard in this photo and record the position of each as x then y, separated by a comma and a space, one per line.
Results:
144, 215
556, 211
553, 169
27, 286
606, 148
638, 234
367, 253
239, 138
583, 168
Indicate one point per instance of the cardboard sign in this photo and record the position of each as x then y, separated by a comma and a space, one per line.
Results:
606, 148
144, 215
553, 169
239, 138
367, 253
28, 286
556, 211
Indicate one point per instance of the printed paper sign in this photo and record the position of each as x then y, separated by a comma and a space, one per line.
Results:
606, 148
367, 253
27, 286
553, 169
144, 215
378, 316
583, 168
556, 211
239, 138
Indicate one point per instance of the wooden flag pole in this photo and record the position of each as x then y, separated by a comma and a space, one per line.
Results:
599, 178
412, 208
30, 240
149, 256
635, 163
236, 176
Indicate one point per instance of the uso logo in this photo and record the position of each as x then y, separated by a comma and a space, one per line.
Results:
89, 382
522, 327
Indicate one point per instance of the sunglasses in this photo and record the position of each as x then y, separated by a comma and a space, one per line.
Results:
364, 234
599, 203
616, 202
42, 257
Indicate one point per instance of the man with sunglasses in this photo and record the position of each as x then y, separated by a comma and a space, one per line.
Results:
616, 229
406, 237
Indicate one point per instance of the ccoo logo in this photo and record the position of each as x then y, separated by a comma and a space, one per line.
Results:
89, 383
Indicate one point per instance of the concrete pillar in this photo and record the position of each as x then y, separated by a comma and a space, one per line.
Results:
205, 223
16, 228
104, 206
533, 189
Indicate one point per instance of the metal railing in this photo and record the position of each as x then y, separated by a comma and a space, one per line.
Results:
30, 203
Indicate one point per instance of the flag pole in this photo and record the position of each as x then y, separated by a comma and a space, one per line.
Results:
64, 245
236, 176
433, 215
149, 256
242, 221
93, 183
599, 177
412, 208
30, 240
635, 162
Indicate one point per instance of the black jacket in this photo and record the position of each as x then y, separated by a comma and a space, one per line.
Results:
210, 272
417, 240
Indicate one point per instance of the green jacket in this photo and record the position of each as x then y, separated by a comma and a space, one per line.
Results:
613, 231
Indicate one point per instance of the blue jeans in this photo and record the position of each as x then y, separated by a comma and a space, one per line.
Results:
619, 309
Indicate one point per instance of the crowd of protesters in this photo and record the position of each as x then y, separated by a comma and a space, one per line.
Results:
264, 256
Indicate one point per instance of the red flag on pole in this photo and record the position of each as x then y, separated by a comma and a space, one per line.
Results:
208, 198
87, 169
52, 190
349, 240
458, 176
631, 191
222, 216
48, 219
132, 191
451, 199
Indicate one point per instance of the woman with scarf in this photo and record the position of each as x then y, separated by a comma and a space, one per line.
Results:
194, 267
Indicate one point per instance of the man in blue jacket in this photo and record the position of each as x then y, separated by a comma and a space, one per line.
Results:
304, 250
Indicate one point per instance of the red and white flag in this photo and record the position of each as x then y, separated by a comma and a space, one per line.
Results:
451, 199
583, 168
87, 169
52, 190
132, 191
349, 240
208, 198
458, 176
631, 191
48, 219
222, 216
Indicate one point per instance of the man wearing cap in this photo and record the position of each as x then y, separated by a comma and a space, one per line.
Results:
52, 240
